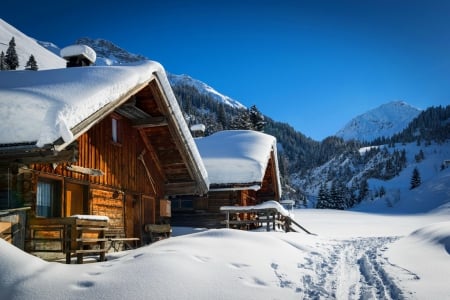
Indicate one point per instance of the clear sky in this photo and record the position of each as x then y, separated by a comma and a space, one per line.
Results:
312, 64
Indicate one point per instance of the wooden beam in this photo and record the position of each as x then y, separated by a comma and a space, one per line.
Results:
150, 122
88, 171
147, 171
152, 152
181, 188
41, 156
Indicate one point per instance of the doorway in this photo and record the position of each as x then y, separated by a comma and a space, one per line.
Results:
76, 196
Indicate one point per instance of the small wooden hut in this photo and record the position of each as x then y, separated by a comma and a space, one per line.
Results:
242, 167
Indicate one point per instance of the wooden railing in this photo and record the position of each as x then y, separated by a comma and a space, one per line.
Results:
157, 232
12, 226
72, 236
270, 216
248, 218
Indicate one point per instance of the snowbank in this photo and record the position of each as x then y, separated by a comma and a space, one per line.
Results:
355, 255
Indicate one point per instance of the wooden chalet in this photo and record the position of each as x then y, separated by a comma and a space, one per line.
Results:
242, 168
120, 147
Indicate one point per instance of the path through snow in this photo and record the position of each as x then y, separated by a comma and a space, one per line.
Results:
351, 269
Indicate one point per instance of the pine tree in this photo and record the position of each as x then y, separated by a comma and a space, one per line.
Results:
256, 118
336, 196
31, 64
415, 179
241, 121
363, 190
3, 65
221, 115
11, 58
323, 197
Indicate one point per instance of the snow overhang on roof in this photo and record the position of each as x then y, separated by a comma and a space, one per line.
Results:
41, 107
238, 159
49, 109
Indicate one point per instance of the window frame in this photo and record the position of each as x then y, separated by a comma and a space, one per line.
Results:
54, 192
116, 129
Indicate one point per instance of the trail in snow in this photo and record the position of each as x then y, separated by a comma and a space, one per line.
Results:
351, 269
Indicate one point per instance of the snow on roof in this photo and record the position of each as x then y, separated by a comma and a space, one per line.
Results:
198, 127
263, 206
75, 50
237, 156
40, 107
90, 217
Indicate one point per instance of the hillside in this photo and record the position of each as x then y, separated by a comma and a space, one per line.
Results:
25, 46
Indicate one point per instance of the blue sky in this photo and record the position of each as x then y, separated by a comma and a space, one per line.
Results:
312, 64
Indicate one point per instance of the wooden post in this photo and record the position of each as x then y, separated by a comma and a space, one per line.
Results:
79, 243
67, 241
227, 220
274, 218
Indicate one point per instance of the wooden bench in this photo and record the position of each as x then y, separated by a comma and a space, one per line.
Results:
158, 232
86, 237
118, 241
5, 231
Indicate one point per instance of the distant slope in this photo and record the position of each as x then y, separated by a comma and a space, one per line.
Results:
25, 46
109, 54
383, 121
203, 88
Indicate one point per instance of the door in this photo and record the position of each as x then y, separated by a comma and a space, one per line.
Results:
133, 216
149, 209
76, 199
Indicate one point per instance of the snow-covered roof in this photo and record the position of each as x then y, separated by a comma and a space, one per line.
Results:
76, 50
39, 108
272, 205
90, 217
237, 157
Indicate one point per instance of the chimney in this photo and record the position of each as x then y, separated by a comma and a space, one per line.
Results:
78, 56
198, 130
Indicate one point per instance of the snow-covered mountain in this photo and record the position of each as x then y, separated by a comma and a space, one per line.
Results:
25, 46
203, 88
383, 121
109, 54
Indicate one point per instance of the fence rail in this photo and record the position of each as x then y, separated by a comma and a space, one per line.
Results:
12, 226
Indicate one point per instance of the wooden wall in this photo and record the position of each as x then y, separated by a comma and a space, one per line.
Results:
124, 174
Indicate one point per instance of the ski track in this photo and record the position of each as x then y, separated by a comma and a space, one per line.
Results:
351, 269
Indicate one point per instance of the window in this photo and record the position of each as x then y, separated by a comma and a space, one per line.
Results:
48, 200
115, 127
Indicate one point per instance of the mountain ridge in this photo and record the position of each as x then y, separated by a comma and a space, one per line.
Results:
383, 121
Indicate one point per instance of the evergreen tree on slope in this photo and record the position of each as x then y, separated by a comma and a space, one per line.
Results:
415, 179
256, 118
3, 65
31, 64
11, 58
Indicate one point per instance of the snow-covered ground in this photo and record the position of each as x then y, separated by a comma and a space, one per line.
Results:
354, 255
